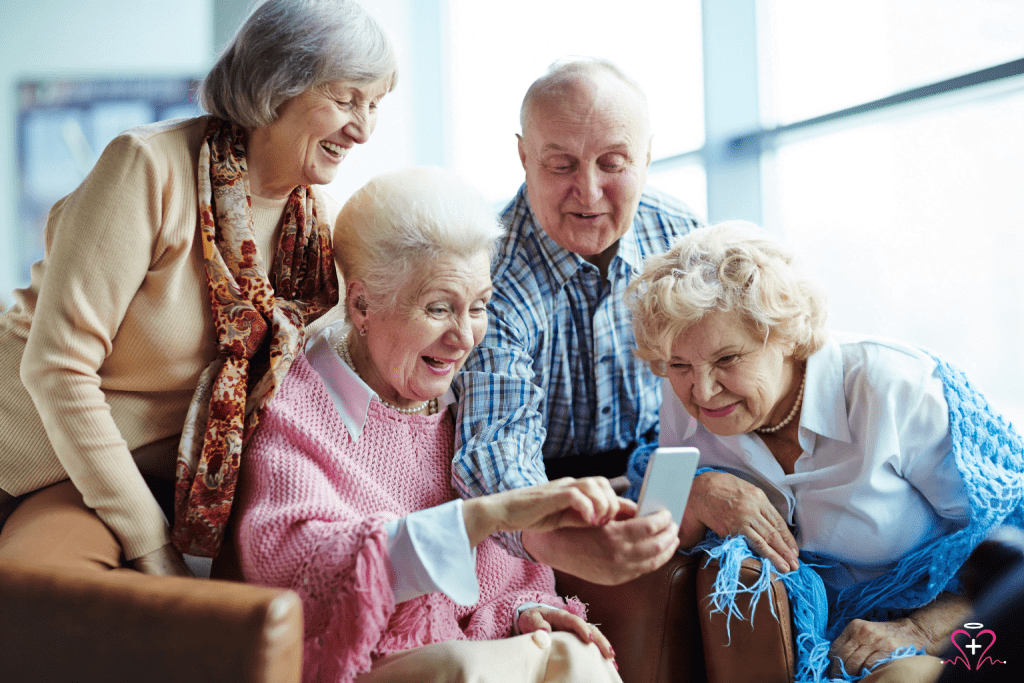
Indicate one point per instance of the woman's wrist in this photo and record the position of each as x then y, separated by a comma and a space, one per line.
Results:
479, 524
164, 561
937, 620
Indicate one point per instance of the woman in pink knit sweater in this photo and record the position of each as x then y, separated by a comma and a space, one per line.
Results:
348, 500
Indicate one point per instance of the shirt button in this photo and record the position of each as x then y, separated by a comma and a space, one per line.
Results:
606, 410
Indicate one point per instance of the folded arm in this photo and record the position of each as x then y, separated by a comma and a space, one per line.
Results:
862, 643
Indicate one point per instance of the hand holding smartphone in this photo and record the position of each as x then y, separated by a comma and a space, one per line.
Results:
667, 481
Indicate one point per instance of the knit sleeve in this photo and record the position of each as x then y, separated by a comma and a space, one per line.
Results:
100, 243
495, 619
507, 582
298, 532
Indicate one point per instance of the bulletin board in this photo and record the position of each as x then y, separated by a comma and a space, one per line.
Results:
63, 126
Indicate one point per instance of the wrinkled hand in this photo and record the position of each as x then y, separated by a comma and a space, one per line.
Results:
862, 643
565, 502
551, 619
729, 505
613, 553
164, 561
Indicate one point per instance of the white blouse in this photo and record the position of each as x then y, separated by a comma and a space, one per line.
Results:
876, 477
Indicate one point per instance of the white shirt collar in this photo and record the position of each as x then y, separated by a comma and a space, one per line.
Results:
351, 395
824, 410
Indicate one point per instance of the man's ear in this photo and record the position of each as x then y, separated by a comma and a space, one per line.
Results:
522, 150
650, 146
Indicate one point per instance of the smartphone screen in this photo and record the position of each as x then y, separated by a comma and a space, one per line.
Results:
667, 481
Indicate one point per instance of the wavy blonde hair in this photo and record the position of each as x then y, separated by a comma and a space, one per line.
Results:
730, 267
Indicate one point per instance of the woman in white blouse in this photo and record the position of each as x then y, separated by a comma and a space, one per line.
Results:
836, 445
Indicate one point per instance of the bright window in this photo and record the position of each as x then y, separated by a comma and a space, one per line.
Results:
495, 50
687, 182
912, 217
820, 56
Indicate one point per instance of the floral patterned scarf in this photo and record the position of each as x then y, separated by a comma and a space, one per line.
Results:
259, 319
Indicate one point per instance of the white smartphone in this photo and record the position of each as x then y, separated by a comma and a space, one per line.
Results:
667, 481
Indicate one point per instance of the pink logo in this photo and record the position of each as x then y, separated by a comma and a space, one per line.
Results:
982, 640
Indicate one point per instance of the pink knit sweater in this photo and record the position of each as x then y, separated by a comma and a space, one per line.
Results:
315, 504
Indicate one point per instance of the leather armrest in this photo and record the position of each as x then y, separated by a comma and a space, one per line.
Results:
126, 626
994, 558
758, 648
650, 621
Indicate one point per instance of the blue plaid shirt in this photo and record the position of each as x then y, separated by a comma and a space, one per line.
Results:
556, 375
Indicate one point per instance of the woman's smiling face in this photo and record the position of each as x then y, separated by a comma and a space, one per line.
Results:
728, 378
314, 131
416, 349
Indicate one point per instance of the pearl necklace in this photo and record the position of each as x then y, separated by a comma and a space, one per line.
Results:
341, 346
792, 412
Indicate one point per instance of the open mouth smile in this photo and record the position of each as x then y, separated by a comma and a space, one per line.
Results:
439, 366
333, 149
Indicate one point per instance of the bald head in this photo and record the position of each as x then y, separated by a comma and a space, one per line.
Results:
584, 79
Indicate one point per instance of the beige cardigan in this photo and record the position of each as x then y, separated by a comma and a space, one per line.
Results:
114, 330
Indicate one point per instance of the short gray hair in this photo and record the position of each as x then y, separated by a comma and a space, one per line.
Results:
286, 47
731, 267
566, 73
393, 226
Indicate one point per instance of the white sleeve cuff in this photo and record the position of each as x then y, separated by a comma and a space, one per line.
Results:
429, 552
522, 608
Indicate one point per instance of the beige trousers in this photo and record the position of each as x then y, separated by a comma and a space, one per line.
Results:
535, 658
53, 528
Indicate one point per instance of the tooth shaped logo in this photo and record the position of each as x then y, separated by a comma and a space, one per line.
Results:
977, 645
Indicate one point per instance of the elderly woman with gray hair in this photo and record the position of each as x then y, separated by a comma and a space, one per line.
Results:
862, 470
348, 497
194, 253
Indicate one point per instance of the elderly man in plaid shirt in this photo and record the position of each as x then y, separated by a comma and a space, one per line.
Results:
554, 389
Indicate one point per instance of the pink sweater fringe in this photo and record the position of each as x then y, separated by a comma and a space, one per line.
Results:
315, 505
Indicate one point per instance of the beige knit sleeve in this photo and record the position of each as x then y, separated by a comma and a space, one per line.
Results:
100, 245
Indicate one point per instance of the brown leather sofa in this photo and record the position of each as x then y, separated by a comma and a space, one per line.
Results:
651, 621
663, 632
755, 650
57, 628
114, 627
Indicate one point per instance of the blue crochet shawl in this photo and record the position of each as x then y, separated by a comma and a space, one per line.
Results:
989, 456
